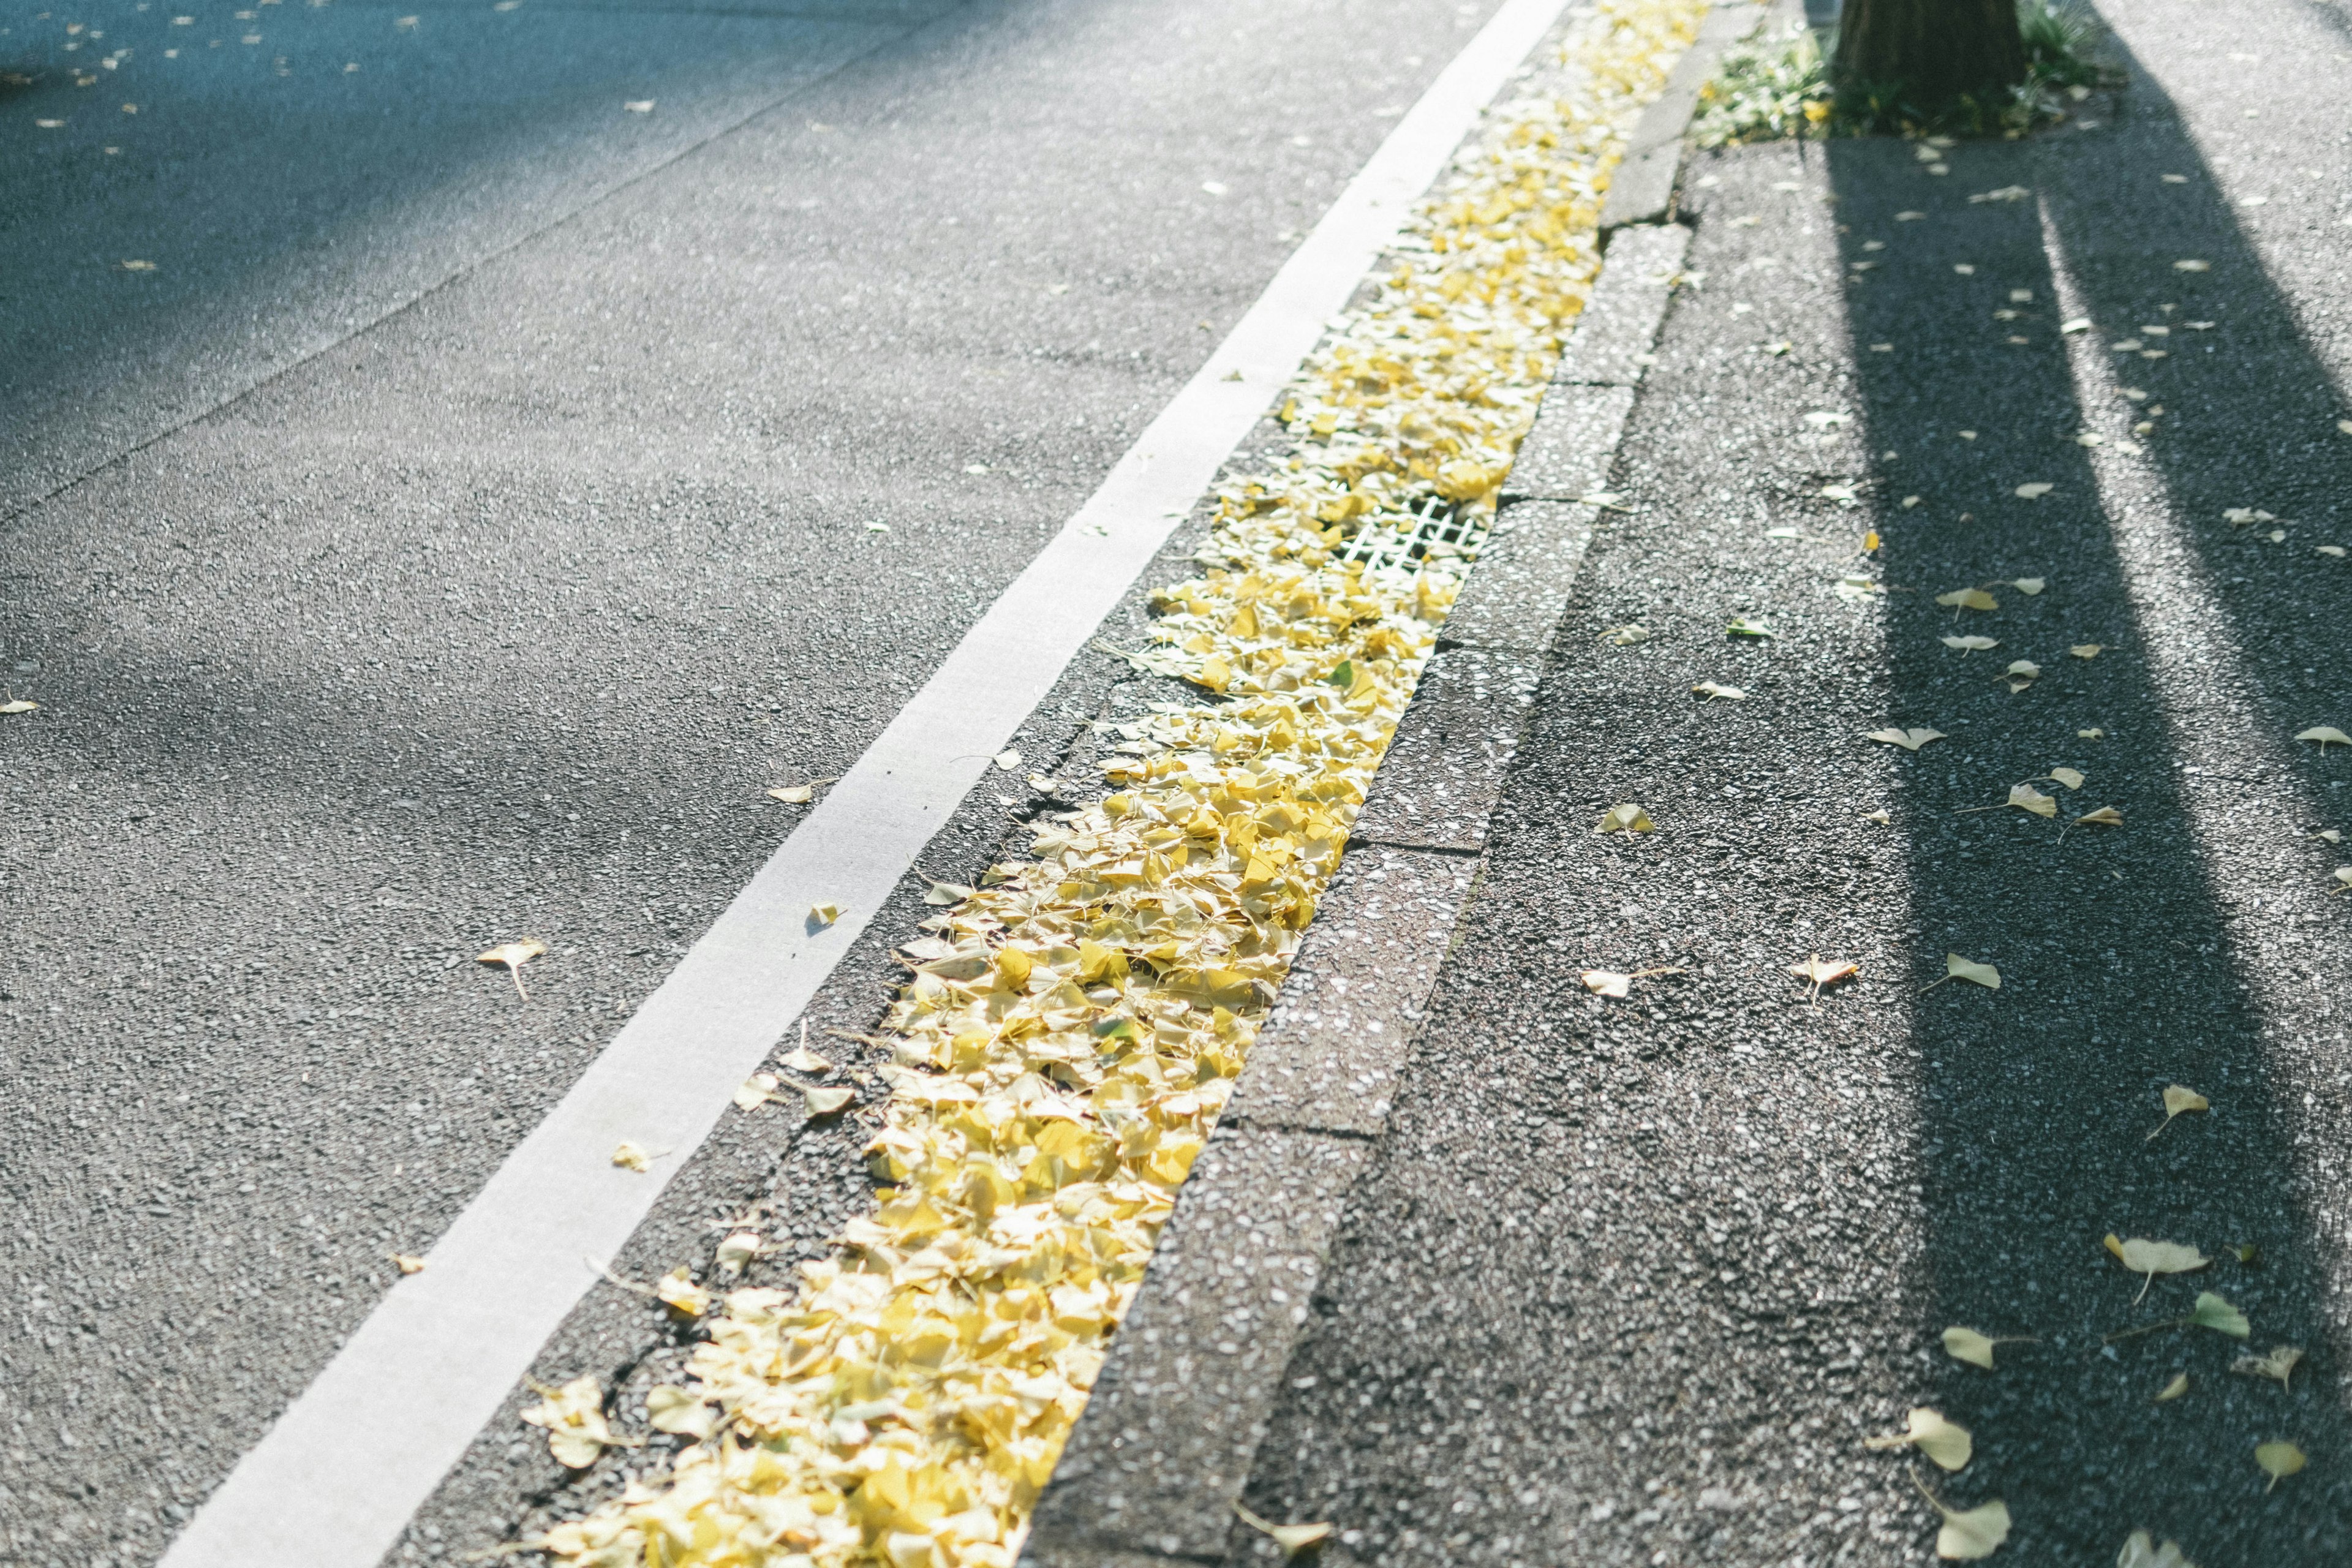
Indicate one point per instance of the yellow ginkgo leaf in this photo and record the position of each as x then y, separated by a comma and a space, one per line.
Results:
944, 895
2025, 798
1972, 644
2067, 776
793, 795
2180, 1102
1946, 1442
19, 705
2212, 1312
629, 1156
1968, 599
2278, 1460
1007, 760
673, 1409
2106, 817
573, 1416
1909, 740
822, 915
1626, 818
738, 1249
679, 1292
825, 1102
1974, 974
514, 956
2173, 1390
2029, 586
2087, 649
755, 1091
2326, 735
1968, 1345
1606, 982
2280, 1364
408, 1263
807, 1060
1819, 972
1293, 1538
1970, 1534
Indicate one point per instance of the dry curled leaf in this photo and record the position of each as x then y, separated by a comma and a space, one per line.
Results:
19, 705
679, 1292
1715, 691
2087, 649
2173, 1390
793, 795
1742, 626
2279, 1365
1819, 973
1626, 818
573, 1416
2029, 586
1909, 740
514, 956
408, 1262
2278, 1460
825, 1102
1624, 637
2106, 817
822, 915
1616, 984
2180, 1102
1293, 1538
1968, 599
673, 1409
1946, 1442
2021, 673
630, 1157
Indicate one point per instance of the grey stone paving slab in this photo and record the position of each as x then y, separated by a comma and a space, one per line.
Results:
1520, 586
1567, 452
1444, 770
1642, 190
1169, 1436
1611, 346
1326, 1059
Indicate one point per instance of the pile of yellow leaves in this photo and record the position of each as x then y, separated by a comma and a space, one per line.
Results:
1072, 1029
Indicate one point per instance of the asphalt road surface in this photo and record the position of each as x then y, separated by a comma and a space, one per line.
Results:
481, 493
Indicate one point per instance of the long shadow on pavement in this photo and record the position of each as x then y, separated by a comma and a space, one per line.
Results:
2122, 972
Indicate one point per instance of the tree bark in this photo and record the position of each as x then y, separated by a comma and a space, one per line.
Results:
1933, 51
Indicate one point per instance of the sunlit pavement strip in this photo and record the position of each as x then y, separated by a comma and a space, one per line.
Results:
344, 1466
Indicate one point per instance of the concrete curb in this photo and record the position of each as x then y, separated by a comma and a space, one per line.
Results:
1642, 190
1172, 1432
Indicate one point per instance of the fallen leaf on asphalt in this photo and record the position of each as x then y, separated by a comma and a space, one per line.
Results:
2335, 550
18, 706
2192, 266
825, 1102
1976, 1349
2212, 1312
943, 894
672, 1409
2151, 1259
2345, 426
756, 1092
1973, 644
793, 795
1974, 974
1715, 691
2344, 874
2173, 1390
1819, 972
573, 1416
2035, 490
736, 1250
2093, 734
629, 1156
1008, 760
1741, 626
1970, 1534
1612, 982
2139, 1551
639, 106
2076, 324
408, 1263
807, 1060
2332, 836
1909, 740
2278, 1460
2030, 586
1882, 816
1293, 1538
2243, 516
2025, 798
2180, 1102
514, 956
822, 915
1946, 1442
2021, 673
1627, 818
2067, 776
1968, 599
1624, 637
2106, 817
2326, 735
678, 1291
2086, 649
2280, 1364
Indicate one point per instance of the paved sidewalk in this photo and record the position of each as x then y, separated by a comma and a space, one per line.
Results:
1631, 1281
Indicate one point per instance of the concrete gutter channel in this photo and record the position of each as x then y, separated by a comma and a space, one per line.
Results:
1171, 1433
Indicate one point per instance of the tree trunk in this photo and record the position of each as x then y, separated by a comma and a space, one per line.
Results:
1932, 51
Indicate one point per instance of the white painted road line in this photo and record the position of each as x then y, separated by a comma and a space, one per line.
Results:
336, 1478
